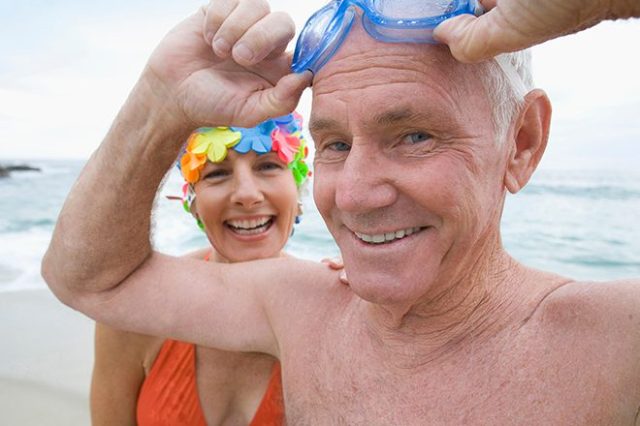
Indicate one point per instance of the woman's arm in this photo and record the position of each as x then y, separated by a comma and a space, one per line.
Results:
118, 374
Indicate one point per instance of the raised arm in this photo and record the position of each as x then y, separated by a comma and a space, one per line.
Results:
511, 25
100, 259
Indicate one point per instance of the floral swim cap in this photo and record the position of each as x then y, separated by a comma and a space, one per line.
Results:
282, 135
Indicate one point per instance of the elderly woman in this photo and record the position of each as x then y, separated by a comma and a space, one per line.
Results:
242, 187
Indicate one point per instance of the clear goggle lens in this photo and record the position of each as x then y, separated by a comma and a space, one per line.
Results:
401, 9
321, 37
314, 30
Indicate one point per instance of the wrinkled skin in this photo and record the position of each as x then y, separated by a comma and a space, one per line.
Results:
436, 169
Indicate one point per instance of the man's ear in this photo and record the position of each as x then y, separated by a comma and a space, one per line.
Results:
531, 133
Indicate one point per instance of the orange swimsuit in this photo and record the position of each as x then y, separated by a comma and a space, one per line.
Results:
169, 396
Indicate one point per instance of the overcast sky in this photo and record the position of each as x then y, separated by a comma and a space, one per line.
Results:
66, 67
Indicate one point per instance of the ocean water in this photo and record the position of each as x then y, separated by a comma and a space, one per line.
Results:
582, 224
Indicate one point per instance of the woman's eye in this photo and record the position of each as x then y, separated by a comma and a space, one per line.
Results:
216, 174
270, 166
417, 137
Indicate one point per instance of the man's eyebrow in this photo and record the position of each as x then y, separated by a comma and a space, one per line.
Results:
320, 124
381, 119
396, 116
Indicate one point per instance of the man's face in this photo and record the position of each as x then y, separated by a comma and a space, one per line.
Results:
408, 176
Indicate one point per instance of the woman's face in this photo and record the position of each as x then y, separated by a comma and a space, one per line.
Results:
248, 204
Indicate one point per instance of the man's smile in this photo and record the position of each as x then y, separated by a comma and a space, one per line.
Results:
387, 237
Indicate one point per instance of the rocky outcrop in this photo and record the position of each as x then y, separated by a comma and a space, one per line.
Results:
6, 170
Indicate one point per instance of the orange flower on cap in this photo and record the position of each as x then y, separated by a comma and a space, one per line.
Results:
191, 164
206, 143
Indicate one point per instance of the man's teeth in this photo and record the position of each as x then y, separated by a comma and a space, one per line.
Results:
249, 224
387, 237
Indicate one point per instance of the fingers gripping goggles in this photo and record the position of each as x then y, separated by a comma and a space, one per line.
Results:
395, 21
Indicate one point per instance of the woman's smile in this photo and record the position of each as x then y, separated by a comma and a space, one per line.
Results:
250, 226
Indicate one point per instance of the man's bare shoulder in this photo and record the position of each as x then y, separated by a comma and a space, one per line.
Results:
601, 309
198, 254
595, 326
305, 278
308, 290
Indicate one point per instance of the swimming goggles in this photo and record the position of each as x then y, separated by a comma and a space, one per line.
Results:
395, 21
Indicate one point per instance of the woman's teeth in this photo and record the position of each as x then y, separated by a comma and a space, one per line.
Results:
387, 237
250, 226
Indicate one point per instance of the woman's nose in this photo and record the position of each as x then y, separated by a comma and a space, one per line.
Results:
247, 191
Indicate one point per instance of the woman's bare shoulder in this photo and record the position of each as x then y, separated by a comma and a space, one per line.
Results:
126, 344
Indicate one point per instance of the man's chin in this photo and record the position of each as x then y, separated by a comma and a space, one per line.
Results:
398, 273
384, 287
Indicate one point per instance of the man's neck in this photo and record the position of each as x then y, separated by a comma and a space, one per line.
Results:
459, 309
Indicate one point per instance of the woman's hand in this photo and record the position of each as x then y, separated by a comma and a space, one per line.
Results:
337, 264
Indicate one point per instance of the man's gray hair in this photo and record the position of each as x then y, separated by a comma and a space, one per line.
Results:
507, 79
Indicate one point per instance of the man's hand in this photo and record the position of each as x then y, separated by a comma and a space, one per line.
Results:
511, 25
226, 65
185, 85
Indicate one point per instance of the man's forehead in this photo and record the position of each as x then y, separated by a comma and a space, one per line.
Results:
363, 62
359, 49
388, 73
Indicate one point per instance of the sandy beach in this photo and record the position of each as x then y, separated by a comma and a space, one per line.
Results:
45, 364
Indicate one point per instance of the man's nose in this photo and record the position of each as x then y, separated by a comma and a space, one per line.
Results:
365, 182
247, 191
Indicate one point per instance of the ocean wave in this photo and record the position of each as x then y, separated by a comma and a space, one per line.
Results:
19, 225
604, 262
606, 192
20, 257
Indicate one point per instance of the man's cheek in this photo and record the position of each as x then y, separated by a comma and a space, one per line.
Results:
318, 186
323, 192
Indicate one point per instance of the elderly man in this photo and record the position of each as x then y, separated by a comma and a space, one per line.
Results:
414, 155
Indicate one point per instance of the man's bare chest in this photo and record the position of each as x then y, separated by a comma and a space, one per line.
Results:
344, 383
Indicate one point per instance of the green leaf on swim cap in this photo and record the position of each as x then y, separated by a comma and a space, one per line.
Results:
300, 171
299, 168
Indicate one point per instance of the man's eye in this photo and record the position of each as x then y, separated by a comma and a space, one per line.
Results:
417, 137
339, 146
